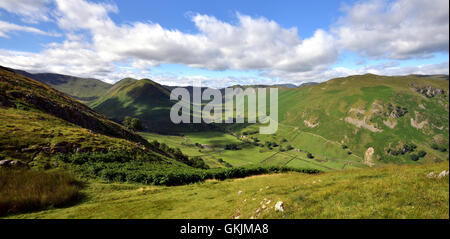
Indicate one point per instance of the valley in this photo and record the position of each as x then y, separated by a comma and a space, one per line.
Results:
363, 141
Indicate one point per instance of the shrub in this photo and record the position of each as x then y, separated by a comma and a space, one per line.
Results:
28, 190
422, 153
232, 147
309, 155
344, 146
414, 157
435, 146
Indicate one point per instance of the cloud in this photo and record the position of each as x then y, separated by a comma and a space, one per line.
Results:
31, 11
6, 27
96, 46
402, 29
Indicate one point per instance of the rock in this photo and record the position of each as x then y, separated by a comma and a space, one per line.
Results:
431, 175
237, 217
368, 156
268, 202
443, 174
240, 192
279, 206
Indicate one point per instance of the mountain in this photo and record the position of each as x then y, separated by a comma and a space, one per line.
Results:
143, 99
39, 122
307, 84
83, 89
379, 118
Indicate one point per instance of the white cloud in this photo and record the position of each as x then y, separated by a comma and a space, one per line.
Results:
6, 27
401, 29
96, 46
31, 11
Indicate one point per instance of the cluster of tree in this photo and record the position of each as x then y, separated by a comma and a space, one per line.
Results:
228, 165
270, 144
132, 123
282, 149
232, 146
176, 153
438, 147
420, 154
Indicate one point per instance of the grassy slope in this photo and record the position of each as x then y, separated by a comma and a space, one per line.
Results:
328, 104
387, 192
143, 99
83, 89
38, 122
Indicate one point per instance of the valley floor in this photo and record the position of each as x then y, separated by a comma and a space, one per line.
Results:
386, 192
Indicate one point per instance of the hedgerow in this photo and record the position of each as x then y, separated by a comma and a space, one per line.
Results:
148, 171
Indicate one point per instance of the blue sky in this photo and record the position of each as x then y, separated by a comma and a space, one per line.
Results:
225, 42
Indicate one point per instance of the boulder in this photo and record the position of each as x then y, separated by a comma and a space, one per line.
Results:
279, 206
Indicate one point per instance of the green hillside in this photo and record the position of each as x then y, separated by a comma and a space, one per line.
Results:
39, 122
143, 99
389, 114
387, 192
83, 89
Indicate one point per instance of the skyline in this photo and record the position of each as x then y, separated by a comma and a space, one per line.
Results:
227, 43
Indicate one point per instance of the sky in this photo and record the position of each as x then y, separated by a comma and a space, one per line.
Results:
224, 43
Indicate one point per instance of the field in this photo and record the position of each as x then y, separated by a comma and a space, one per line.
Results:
328, 155
387, 192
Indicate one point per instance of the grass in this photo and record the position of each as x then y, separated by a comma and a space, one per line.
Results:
27, 190
387, 192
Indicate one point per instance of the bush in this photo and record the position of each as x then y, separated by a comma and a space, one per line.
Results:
232, 147
28, 190
422, 153
435, 146
132, 123
197, 162
344, 146
309, 155
414, 157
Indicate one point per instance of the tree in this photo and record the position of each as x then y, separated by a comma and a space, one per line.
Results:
132, 123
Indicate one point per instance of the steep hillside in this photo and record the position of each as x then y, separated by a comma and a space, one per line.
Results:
143, 99
380, 118
83, 89
38, 121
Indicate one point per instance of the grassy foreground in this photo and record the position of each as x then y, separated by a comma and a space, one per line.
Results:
28, 190
387, 192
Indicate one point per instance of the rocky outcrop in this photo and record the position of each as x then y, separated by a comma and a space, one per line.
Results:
362, 124
428, 91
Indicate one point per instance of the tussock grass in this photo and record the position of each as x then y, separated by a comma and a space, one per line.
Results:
28, 190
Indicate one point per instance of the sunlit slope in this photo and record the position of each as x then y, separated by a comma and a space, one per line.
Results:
387, 192
373, 111
39, 122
